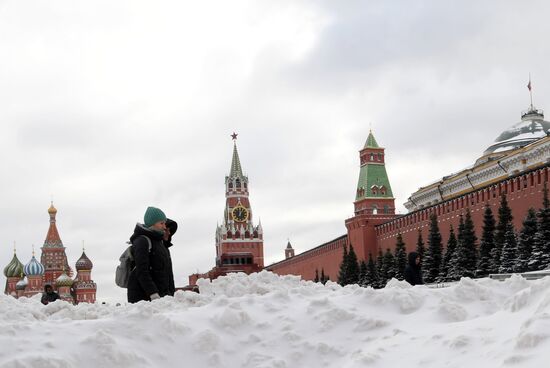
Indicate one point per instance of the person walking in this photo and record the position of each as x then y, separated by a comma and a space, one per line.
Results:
413, 271
152, 277
49, 295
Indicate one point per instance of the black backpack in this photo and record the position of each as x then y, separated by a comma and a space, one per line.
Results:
127, 265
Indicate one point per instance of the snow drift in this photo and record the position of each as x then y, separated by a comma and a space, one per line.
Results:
265, 320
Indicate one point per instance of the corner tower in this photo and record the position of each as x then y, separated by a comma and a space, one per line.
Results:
374, 202
239, 243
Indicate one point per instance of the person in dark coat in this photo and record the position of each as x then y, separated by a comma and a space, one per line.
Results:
413, 271
152, 278
49, 295
171, 228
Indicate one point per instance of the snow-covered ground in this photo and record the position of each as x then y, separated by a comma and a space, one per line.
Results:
264, 320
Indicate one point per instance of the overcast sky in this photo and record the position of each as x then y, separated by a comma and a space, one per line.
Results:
113, 106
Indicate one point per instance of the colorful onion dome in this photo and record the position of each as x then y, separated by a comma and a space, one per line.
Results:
34, 268
14, 268
64, 280
84, 263
21, 284
52, 210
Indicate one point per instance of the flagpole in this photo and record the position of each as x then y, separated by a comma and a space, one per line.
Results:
530, 91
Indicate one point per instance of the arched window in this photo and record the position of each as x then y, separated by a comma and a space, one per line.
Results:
230, 185
238, 183
374, 210
379, 157
386, 209
372, 156
383, 190
374, 189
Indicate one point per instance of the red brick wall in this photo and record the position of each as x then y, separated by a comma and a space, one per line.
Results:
523, 191
327, 257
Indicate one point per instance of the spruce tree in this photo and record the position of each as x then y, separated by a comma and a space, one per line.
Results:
400, 258
388, 266
469, 240
487, 243
508, 256
353, 267
371, 278
526, 241
432, 257
446, 263
363, 274
380, 269
420, 249
458, 261
504, 217
324, 278
316, 279
343, 273
541, 252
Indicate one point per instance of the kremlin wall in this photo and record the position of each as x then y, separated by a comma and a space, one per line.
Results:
516, 164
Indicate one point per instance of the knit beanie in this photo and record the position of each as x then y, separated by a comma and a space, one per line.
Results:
152, 216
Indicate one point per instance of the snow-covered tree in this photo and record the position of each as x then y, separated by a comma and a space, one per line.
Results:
362, 274
324, 278
541, 250
504, 217
343, 273
380, 269
388, 266
353, 267
432, 257
526, 241
371, 278
420, 248
400, 258
446, 263
487, 243
508, 256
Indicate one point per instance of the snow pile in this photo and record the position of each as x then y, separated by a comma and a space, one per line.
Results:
264, 320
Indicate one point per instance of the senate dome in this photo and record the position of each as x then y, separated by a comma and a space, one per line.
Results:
531, 128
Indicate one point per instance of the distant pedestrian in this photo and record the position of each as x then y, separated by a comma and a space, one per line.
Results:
152, 277
413, 270
49, 295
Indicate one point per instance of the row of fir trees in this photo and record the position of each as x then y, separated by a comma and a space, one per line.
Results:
500, 250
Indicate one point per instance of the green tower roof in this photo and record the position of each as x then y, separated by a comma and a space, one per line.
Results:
371, 142
373, 178
373, 182
236, 170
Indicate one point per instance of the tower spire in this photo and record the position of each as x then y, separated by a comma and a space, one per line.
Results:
236, 169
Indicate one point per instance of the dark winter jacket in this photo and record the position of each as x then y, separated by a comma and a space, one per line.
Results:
50, 296
153, 271
413, 272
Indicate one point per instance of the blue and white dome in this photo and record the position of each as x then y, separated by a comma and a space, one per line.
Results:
34, 268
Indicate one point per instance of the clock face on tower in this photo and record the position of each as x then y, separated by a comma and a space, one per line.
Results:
240, 214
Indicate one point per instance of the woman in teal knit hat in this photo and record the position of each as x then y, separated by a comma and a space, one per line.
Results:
151, 278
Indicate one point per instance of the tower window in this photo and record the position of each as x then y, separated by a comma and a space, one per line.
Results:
374, 210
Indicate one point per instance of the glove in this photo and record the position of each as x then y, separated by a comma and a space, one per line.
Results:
154, 296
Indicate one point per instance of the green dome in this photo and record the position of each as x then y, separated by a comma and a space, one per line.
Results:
14, 268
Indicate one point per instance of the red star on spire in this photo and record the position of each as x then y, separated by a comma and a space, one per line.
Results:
234, 136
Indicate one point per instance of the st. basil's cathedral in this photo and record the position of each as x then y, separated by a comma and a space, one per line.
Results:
53, 269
